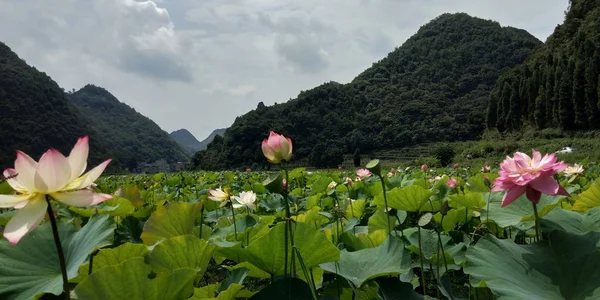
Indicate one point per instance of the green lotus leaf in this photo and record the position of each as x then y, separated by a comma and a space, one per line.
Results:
411, 198
360, 266
129, 280
519, 213
32, 268
563, 267
570, 221
171, 220
179, 252
589, 198
116, 207
268, 252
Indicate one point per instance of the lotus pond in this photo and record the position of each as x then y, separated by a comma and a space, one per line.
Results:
414, 233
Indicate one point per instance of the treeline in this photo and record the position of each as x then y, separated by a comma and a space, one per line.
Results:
435, 87
558, 85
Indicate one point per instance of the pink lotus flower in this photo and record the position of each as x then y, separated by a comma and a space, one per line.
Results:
277, 148
248, 170
486, 169
451, 183
531, 176
390, 174
424, 167
284, 183
54, 175
455, 166
362, 173
348, 180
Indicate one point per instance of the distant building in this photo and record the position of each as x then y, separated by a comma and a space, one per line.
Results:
161, 166
182, 166
158, 166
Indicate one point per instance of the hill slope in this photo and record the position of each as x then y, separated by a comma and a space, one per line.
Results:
186, 140
35, 114
133, 138
434, 87
211, 137
557, 87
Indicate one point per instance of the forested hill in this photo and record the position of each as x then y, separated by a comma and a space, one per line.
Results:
132, 138
35, 114
434, 87
557, 86
186, 140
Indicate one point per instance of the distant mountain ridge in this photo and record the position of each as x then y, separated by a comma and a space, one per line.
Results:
435, 87
133, 138
190, 144
186, 140
211, 137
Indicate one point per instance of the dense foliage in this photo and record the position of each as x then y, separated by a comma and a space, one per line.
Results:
432, 88
132, 137
557, 87
161, 235
35, 113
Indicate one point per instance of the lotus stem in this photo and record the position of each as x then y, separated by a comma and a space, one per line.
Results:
538, 234
201, 220
234, 225
423, 283
61, 254
386, 203
288, 227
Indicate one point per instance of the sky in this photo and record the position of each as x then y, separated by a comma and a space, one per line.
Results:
198, 64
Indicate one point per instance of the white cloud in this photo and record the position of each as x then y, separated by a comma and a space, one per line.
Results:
199, 64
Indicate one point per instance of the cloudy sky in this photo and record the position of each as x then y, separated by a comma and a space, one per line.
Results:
198, 64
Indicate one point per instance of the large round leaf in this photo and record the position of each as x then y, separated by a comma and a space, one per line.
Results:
171, 220
129, 280
573, 222
186, 251
360, 266
116, 207
563, 267
115, 256
411, 198
31, 267
519, 213
588, 199
268, 252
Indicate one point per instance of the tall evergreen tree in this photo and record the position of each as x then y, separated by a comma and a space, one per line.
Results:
540, 108
550, 96
565, 105
492, 109
513, 117
579, 101
591, 88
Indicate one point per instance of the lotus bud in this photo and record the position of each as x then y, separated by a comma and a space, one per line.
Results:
277, 148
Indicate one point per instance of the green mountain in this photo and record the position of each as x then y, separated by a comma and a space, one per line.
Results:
211, 137
186, 140
35, 114
557, 86
190, 144
435, 87
132, 138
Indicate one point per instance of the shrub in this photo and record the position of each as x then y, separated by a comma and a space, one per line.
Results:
444, 154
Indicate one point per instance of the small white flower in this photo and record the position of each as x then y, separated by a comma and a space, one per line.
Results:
219, 195
573, 170
246, 199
